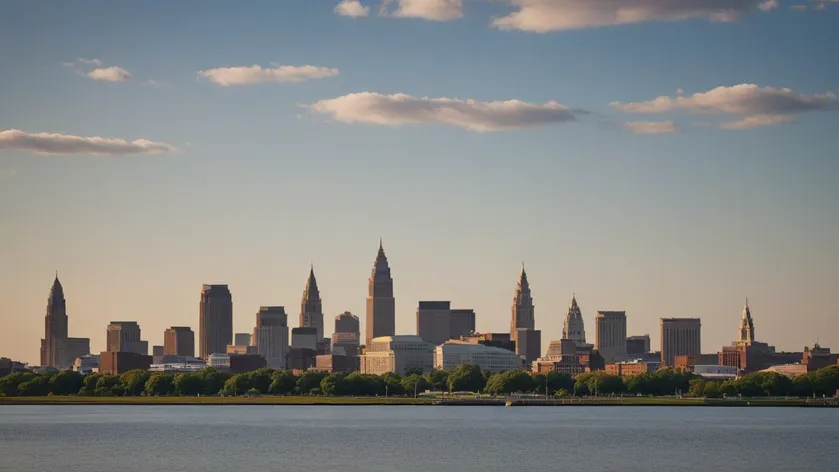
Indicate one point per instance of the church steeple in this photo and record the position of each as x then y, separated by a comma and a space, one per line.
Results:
747, 326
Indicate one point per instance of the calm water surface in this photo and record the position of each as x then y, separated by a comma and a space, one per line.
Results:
440, 439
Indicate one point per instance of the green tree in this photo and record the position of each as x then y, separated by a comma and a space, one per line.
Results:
712, 389
37, 386
159, 385
415, 383
261, 379
333, 384
188, 385
466, 378
89, 386
728, 388
236, 385
393, 384
134, 382
66, 382
309, 380
364, 384
439, 380
105, 386
562, 393
214, 380
508, 382
283, 382
697, 388
558, 381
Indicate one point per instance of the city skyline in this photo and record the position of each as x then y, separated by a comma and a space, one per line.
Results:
668, 163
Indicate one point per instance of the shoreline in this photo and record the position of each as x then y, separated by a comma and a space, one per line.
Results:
374, 401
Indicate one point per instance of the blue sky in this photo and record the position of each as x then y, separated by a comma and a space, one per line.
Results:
685, 222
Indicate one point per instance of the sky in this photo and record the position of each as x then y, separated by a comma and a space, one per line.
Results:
669, 159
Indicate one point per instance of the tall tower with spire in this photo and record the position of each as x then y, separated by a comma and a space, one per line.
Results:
311, 310
55, 326
573, 328
747, 326
523, 309
381, 306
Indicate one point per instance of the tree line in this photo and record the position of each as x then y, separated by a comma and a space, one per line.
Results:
464, 378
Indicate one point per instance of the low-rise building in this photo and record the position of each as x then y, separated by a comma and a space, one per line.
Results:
716, 372
119, 362
568, 365
86, 364
299, 358
502, 340
8, 367
399, 354
789, 370
633, 367
451, 354
219, 361
243, 363
336, 363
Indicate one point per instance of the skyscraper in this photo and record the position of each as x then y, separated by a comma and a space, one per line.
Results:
463, 323
57, 350
573, 328
747, 326
680, 337
610, 334
311, 311
345, 339
270, 336
346, 322
179, 341
215, 320
434, 322
523, 309
125, 336
381, 306
523, 322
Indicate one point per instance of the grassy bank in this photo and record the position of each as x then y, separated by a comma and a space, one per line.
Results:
308, 400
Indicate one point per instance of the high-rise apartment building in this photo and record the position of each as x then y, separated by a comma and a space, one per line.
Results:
125, 336
381, 306
462, 323
680, 337
58, 350
270, 336
523, 323
179, 341
215, 320
311, 309
610, 334
434, 321
573, 328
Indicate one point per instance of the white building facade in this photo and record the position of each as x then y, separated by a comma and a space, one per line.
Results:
399, 354
451, 354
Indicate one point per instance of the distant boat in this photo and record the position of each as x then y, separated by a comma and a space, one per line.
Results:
508, 403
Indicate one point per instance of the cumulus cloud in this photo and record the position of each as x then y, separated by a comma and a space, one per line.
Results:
110, 74
53, 143
434, 10
255, 74
554, 15
769, 5
651, 127
759, 106
402, 109
352, 8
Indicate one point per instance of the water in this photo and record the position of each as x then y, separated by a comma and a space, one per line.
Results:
440, 439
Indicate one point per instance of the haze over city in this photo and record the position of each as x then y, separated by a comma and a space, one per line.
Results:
599, 147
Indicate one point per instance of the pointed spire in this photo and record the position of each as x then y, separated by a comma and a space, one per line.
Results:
311, 292
573, 301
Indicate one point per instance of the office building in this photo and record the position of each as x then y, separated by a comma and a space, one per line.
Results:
241, 349
87, 364
573, 328
631, 368
242, 339
57, 349
680, 337
126, 336
529, 344
215, 320
219, 361
462, 323
311, 309
304, 338
450, 354
299, 358
179, 341
381, 306
120, 362
346, 322
336, 363
244, 363
399, 354
157, 351
270, 336
561, 348
502, 340
523, 321
434, 321
637, 346
345, 344
610, 334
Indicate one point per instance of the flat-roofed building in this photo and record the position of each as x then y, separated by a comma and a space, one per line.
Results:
119, 362
336, 363
610, 335
502, 340
125, 336
462, 322
345, 343
637, 345
179, 341
634, 367
680, 337
270, 336
451, 354
399, 354
304, 338
215, 320
434, 321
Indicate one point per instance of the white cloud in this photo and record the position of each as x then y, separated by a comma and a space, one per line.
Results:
53, 143
769, 5
760, 106
402, 109
756, 121
227, 76
554, 15
651, 127
434, 10
110, 74
352, 8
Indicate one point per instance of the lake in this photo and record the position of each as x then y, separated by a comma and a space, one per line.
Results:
440, 439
